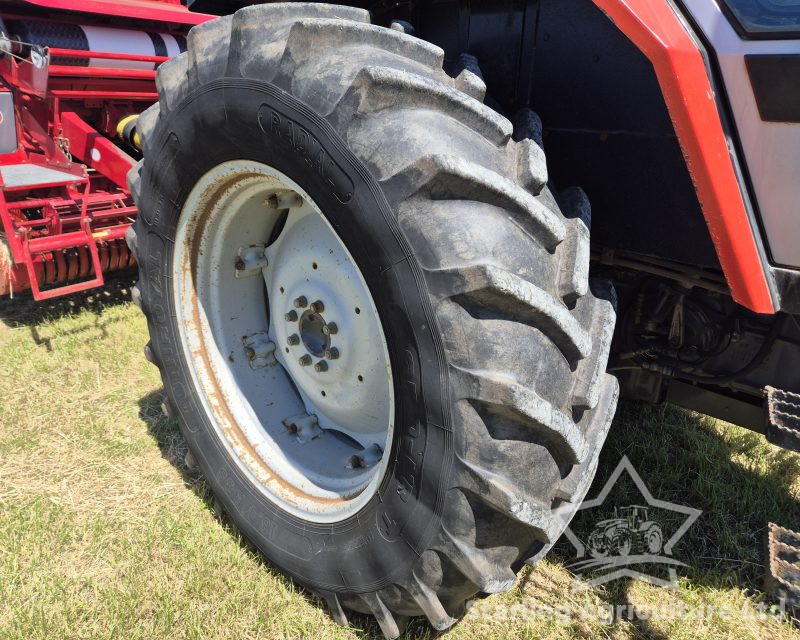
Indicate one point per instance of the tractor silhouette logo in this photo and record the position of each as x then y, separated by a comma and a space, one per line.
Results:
640, 535
629, 530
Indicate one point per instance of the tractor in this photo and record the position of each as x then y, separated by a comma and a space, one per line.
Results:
398, 260
630, 528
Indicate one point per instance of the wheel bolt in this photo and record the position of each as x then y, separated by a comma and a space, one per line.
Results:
293, 339
290, 317
321, 366
317, 306
330, 329
285, 200
305, 360
332, 353
301, 302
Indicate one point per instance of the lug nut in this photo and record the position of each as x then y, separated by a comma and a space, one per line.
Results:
285, 200
332, 353
321, 366
305, 360
290, 317
330, 329
317, 306
293, 339
301, 302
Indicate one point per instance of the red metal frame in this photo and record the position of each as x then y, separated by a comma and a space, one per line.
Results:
56, 244
95, 150
100, 55
64, 234
655, 28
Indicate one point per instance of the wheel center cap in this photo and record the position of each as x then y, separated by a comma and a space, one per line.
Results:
313, 333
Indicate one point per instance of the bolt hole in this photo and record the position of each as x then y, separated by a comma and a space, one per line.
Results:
287, 349
358, 310
281, 289
324, 394
361, 378
313, 265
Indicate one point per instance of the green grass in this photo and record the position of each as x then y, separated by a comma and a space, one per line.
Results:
104, 532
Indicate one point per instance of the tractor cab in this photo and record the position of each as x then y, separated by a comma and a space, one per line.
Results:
634, 515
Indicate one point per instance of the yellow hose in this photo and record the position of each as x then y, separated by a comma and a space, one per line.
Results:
129, 133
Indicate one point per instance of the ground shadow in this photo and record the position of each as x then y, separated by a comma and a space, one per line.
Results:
738, 482
680, 457
23, 310
167, 435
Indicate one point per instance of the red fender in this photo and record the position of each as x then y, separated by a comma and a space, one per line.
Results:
659, 33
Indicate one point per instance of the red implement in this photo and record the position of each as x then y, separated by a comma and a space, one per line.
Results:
64, 201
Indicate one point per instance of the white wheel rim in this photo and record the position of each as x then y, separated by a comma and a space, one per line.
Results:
300, 395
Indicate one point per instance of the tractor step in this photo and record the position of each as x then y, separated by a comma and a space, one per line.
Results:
783, 578
783, 418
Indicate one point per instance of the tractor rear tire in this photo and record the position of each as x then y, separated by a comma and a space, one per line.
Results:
497, 340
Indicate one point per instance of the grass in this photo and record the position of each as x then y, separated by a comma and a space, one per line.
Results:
104, 532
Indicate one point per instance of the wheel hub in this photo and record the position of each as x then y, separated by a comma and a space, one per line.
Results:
306, 407
312, 332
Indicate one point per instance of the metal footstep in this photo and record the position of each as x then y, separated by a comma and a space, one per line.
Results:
783, 577
783, 418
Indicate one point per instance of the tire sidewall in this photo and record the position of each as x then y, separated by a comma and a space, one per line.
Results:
235, 119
